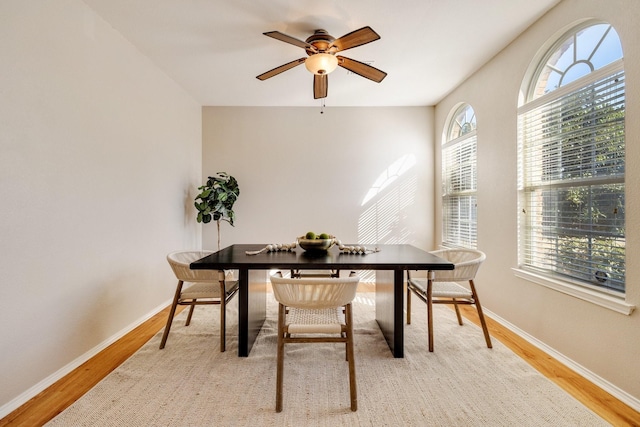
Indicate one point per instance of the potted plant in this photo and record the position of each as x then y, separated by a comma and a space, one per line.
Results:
216, 199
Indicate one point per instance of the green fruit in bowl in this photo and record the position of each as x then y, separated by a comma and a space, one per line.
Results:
324, 236
310, 235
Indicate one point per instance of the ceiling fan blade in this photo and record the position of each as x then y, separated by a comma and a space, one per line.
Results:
356, 38
361, 69
320, 86
280, 69
288, 39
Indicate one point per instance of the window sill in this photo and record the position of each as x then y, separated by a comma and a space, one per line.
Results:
611, 302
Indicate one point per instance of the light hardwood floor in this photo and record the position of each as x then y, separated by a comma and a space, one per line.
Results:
63, 393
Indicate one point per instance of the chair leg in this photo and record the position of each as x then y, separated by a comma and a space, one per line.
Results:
346, 343
172, 313
455, 304
188, 322
343, 334
430, 313
280, 360
223, 320
485, 330
408, 303
351, 357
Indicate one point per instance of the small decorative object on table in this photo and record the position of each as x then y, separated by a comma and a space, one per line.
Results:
357, 249
275, 247
313, 242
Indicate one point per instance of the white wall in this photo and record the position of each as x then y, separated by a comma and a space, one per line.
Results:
99, 155
299, 170
597, 339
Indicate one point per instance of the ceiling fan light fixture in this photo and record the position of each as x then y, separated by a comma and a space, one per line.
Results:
321, 63
321, 49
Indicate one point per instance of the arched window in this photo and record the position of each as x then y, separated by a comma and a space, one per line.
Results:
459, 209
571, 140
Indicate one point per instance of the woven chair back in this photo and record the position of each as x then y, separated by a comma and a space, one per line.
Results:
180, 261
466, 261
314, 293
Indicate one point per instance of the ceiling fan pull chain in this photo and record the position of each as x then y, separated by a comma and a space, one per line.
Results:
322, 105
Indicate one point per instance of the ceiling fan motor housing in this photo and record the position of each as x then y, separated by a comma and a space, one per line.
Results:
321, 40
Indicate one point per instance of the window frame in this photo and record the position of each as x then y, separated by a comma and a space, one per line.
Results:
458, 232
608, 298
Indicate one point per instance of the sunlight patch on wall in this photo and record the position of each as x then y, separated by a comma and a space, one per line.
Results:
384, 218
397, 169
384, 222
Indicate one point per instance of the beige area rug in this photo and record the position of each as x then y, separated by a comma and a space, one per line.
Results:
190, 383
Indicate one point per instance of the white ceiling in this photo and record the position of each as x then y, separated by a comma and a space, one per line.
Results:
215, 48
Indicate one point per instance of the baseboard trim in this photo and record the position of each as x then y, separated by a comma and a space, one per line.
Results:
610, 388
33, 391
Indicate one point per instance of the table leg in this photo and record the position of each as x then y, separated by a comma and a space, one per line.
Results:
390, 307
252, 308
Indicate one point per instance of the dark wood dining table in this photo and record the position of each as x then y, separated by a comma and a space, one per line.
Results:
389, 263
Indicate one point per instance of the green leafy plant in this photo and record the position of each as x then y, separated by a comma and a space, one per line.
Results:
216, 199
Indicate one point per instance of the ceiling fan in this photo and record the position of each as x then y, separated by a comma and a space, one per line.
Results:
321, 49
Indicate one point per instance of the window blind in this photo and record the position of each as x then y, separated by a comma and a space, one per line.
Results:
572, 183
459, 175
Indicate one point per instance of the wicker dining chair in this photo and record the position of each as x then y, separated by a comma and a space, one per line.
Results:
313, 310
199, 287
443, 287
